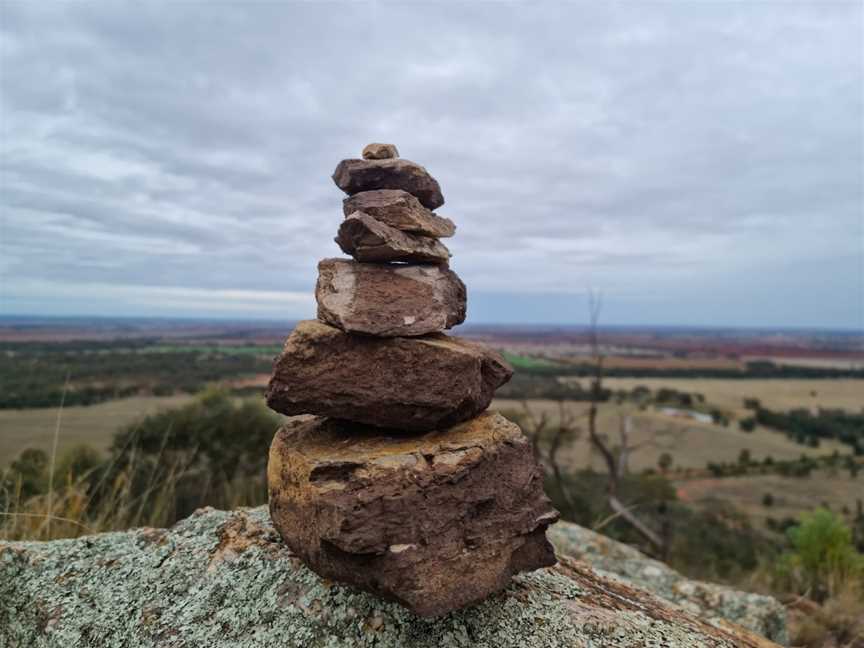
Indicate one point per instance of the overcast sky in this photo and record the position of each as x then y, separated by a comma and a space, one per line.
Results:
696, 162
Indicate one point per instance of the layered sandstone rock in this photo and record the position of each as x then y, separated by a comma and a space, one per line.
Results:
354, 176
400, 484
413, 384
370, 240
409, 517
401, 210
388, 300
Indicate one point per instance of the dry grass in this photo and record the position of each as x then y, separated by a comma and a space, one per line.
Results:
93, 425
71, 510
776, 394
837, 623
692, 444
791, 495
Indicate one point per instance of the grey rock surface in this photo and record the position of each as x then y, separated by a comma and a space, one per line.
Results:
389, 300
715, 603
224, 579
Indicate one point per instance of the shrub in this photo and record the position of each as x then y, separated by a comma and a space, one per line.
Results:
747, 424
823, 559
665, 462
211, 452
28, 474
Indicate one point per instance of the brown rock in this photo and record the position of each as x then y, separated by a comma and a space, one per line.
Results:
414, 384
376, 151
370, 240
389, 300
354, 176
435, 522
401, 210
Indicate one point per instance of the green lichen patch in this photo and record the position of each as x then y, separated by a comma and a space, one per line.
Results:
220, 579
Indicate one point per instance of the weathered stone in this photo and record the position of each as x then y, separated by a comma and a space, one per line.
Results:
717, 604
370, 240
414, 384
376, 151
435, 522
221, 579
401, 210
389, 300
354, 176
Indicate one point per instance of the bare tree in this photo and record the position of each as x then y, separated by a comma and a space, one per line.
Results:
616, 463
548, 438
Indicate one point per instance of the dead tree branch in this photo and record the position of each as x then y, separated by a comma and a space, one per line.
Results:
614, 463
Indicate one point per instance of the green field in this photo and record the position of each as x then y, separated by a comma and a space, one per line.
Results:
527, 362
252, 350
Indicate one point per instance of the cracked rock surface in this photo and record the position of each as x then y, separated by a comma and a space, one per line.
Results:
389, 300
369, 240
415, 384
718, 604
401, 210
435, 522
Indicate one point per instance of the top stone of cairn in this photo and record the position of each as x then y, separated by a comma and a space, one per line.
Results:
377, 151
387, 172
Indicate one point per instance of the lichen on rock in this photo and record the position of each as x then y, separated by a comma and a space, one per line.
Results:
717, 604
220, 579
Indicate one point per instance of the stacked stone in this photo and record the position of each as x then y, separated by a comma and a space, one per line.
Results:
396, 479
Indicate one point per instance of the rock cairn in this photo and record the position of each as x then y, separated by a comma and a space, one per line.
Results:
396, 479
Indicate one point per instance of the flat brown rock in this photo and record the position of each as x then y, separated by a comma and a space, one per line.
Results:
376, 151
370, 240
389, 300
413, 384
435, 522
401, 210
354, 176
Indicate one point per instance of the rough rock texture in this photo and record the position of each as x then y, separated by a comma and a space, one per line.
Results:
401, 210
376, 151
717, 604
389, 300
224, 579
370, 240
435, 522
413, 384
354, 176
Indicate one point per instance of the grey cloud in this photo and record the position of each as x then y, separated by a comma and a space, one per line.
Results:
682, 138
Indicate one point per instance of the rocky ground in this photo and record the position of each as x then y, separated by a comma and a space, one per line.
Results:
226, 579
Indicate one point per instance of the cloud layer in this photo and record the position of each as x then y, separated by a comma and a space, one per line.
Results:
699, 163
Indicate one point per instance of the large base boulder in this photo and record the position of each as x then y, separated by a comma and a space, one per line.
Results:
370, 240
354, 176
401, 210
389, 300
434, 522
717, 604
224, 579
414, 384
